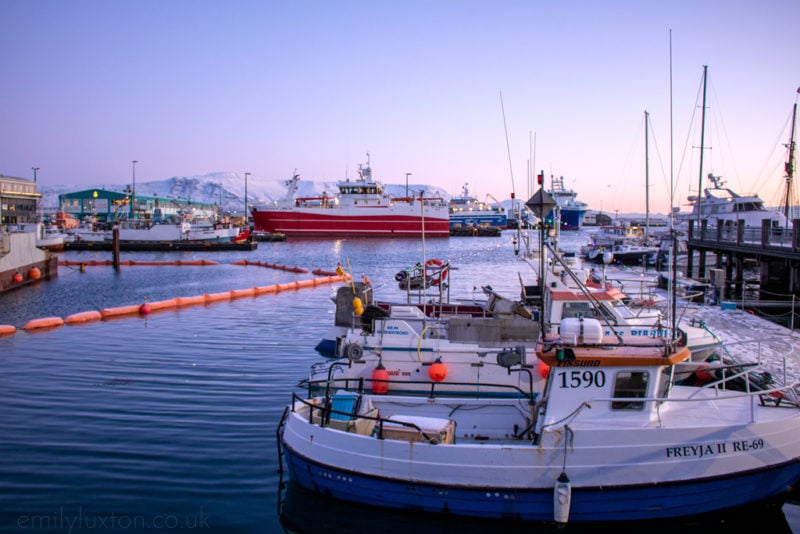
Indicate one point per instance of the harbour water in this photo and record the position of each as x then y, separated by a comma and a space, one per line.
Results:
168, 422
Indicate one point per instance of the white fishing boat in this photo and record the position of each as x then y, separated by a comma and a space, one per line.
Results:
461, 346
467, 211
613, 437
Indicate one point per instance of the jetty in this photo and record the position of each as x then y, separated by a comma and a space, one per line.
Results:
163, 246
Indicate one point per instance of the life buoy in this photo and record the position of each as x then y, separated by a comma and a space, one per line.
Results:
434, 269
353, 351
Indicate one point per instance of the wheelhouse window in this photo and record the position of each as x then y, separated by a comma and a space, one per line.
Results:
630, 385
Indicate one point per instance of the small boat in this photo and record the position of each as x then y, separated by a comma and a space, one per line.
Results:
468, 211
613, 436
361, 208
22, 262
624, 254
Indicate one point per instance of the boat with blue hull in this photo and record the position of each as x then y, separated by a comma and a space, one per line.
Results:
571, 211
466, 211
614, 436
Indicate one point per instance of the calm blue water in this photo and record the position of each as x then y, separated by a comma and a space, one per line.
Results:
167, 423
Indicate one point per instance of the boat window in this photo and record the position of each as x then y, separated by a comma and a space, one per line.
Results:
630, 385
578, 309
622, 309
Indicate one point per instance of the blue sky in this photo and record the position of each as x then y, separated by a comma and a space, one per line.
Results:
192, 87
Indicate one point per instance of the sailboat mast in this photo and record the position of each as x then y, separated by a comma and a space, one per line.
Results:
646, 178
790, 167
702, 147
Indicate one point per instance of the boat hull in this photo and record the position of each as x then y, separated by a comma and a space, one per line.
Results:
321, 222
621, 469
589, 504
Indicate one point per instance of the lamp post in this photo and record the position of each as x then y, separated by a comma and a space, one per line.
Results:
407, 175
133, 193
34, 172
246, 217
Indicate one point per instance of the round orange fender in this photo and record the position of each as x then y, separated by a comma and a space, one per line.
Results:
44, 323
83, 317
7, 329
120, 311
34, 273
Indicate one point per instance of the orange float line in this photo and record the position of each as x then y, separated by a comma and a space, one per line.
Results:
217, 297
45, 323
110, 313
169, 304
182, 302
131, 263
83, 317
263, 290
7, 330
239, 293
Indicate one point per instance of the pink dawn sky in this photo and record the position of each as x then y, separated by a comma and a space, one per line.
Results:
189, 87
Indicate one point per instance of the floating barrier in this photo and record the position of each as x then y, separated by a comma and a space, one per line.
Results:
45, 323
217, 297
182, 302
49, 323
134, 263
110, 313
321, 272
271, 266
239, 293
7, 330
83, 317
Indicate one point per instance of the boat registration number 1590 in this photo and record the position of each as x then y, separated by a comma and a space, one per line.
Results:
582, 379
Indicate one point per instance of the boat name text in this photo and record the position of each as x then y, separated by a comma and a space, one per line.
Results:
724, 447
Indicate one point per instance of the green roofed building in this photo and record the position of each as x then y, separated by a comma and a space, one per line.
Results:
108, 206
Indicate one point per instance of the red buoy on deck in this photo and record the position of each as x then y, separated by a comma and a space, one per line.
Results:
380, 380
438, 371
17, 278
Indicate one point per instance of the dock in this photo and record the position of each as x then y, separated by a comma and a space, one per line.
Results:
163, 246
475, 231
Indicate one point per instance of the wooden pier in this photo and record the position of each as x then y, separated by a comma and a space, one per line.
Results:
776, 250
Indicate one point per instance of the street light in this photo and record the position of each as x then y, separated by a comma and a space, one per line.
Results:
34, 172
245, 197
133, 194
407, 175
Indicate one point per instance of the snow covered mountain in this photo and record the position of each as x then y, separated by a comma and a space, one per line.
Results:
223, 188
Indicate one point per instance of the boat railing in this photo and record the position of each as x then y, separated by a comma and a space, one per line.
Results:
324, 413
362, 385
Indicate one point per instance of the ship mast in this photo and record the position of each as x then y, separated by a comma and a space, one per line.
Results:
646, 180
702, 148
790, 167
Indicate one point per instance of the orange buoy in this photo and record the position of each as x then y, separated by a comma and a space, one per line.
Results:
44, 323
34, 273
437, 371
7, 329
17, 278
83, 317
544, 369
380, 379
120, 311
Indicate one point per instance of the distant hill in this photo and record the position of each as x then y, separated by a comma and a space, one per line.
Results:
225, 189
